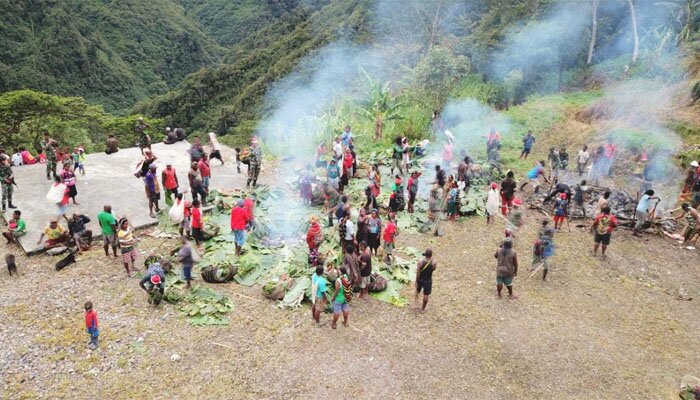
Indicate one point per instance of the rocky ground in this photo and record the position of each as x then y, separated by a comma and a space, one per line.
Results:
621, 328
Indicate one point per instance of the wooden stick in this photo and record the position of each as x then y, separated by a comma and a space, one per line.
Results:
244, 296
539, 267
222, 345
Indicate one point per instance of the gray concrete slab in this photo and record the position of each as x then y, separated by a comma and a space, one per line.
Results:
109, 179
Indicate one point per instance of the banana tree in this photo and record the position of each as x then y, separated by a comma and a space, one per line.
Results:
379, 105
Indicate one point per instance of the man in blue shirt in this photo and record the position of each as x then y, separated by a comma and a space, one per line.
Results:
643, 214
528, 141
346, 137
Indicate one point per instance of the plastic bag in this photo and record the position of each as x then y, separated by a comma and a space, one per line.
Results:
177, 212
55, 194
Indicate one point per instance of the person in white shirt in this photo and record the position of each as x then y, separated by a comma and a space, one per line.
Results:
582, 160
338, 150
16, 159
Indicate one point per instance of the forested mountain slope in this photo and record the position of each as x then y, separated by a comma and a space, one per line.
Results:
112, 52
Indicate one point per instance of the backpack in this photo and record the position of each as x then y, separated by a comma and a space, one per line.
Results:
347, 288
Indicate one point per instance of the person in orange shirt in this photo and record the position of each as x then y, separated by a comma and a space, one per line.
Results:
170, 183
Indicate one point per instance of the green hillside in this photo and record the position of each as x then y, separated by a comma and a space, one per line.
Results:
109, 52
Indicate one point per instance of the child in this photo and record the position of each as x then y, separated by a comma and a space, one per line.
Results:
74, 158
492, 203
197, 223
80, 165
238, 159
560, 211
91, 325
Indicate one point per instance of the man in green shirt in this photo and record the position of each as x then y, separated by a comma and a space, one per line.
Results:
16, 227
108, 223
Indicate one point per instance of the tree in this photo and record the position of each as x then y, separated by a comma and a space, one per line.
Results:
438, 72
633, 16
682, 11
379, 105
594, 30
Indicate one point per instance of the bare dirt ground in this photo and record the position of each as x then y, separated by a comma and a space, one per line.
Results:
596, 330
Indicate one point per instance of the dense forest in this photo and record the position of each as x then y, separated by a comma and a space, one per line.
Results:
212, 65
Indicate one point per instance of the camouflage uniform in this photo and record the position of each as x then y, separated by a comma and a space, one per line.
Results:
254, 160
5, 176
144, 140
51, 160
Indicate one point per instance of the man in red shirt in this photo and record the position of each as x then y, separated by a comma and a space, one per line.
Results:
197, 223
390, 233
170, 183
249, 205
602, 228
239, 219
203, 166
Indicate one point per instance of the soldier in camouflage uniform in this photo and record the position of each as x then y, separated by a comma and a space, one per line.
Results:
254, 160
144, 139
51, 160
6, 180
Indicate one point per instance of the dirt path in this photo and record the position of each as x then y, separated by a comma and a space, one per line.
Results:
597, 329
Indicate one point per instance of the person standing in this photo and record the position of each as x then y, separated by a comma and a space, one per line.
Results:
91, 324
239, 219
196, 183
341, 298
170, 183
51, 159
447, 154
602, 227
321, 152
333, 174
396, 199
374, 229
215, 148
365, 269
506, 267
347, 137
205, 170
424, 277
152, 190
314, 236
7, 179
544, 248
493, 138
68, 179
452, 201
582, 160
554, 163
412, 189
197, 223
196, 150
560, 211
508, 187
108, 224
185, 256
143, 138
390, 233
249, 205
492, 203
254, 162
643, 211
608, 155
127, 242
397, 156
528, 141
318, 284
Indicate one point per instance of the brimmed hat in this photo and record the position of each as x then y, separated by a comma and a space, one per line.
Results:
694, 164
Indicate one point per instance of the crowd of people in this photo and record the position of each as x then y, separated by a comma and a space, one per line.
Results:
366, 231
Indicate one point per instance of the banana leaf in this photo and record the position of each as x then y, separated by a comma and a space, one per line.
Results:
392, 293
295, 295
